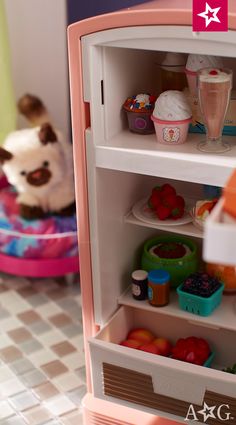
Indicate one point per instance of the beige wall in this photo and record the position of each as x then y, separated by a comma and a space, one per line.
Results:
37, 32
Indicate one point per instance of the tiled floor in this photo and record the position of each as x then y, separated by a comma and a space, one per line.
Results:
42, 374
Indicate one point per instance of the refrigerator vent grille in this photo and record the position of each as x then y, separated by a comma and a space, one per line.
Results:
136, 387
96, 419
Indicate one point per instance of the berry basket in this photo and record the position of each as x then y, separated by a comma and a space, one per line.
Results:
199, 305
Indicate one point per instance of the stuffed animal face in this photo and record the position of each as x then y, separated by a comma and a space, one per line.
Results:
32, 160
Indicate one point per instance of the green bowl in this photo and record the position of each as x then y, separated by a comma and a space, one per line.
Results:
180, 268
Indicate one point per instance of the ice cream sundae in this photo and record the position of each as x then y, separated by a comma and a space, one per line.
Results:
139, 109
194, 64
171, 117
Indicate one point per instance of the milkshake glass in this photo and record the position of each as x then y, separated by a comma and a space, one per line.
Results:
214, 88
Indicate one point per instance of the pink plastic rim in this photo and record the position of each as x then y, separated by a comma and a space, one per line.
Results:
158, 121
38, 267
188, 72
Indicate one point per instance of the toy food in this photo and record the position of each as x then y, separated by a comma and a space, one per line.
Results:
149, 348
142, 339
202, 210
139, 109
165, 202
201, 284
158, 288
179, 268
170, 250
172, 72
200, 294
131, 343
139, 284
194, 64
192, 350
164, 346
38, 162
226, 274
171, 117
142, 335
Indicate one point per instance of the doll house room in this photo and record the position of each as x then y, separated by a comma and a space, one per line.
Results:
117, 223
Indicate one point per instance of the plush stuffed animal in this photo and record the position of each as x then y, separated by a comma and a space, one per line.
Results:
38, 162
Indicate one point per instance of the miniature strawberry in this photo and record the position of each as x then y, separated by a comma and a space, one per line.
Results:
163, 212
170, 201
154, 200
180, 202
177, 213
156, 189
167, 189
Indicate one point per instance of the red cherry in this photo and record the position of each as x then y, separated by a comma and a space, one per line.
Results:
152, 99
213, 72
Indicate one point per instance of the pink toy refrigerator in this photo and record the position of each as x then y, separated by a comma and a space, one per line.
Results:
111, 57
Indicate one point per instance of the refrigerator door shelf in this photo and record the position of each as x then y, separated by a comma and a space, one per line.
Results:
154, 383
220, 239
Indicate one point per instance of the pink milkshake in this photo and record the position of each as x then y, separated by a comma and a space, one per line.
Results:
214, 87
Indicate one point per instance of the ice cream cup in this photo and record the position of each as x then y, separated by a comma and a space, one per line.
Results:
171, 132
192, 81
140, 122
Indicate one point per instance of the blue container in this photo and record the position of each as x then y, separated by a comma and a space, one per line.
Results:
158, 287
160, 277
210, 359
199, 305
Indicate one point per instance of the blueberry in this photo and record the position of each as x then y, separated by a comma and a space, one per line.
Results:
201, 284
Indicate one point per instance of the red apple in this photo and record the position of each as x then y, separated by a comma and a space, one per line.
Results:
131, 343
142, 335
163, 345
149, 348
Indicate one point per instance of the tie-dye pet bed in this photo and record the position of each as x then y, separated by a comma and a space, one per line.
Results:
51, 237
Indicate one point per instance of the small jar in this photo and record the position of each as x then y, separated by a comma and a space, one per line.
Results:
158, 287
172, 72
139, 284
